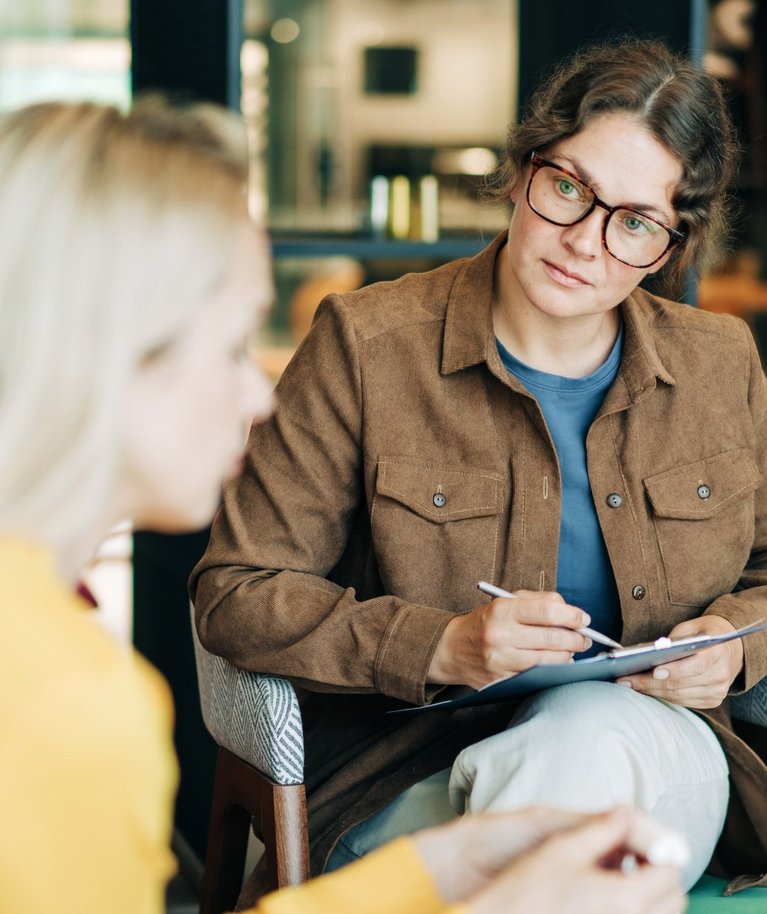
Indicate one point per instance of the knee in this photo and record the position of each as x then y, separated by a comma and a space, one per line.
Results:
595, 740
563, 748
587, 712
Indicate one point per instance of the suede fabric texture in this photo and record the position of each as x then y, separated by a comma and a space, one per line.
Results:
332, 563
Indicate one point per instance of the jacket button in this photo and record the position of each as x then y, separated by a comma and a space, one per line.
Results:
703, 491
614, 500
638, 592
439, 500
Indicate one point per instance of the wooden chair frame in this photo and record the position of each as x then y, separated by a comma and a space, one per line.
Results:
241, 792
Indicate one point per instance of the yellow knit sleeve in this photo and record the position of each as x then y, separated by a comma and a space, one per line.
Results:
392, 880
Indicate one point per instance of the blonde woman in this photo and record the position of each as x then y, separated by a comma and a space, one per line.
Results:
130, 279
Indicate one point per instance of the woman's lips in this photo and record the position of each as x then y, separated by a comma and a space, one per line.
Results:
565, 277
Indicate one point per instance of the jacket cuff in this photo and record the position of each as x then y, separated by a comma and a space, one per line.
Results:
406, 650
739, 613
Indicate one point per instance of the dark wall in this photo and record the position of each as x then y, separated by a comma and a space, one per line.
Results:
189, 48
552, 29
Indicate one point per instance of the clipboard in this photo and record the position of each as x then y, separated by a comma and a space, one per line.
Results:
609, 665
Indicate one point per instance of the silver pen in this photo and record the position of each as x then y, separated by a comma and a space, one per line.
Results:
493, 591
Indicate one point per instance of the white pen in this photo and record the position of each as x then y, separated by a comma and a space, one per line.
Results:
493, 591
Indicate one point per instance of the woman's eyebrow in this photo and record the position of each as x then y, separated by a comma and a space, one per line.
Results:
575, 166
649, 208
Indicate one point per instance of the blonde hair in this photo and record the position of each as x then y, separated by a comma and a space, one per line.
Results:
114, 229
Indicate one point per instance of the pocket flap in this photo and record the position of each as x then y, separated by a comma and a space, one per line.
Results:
463, 493
701, 489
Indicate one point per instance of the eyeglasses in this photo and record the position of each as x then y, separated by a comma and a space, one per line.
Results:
632, 237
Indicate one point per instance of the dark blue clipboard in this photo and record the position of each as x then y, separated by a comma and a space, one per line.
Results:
604, 667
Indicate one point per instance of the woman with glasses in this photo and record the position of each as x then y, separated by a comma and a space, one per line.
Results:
532, 417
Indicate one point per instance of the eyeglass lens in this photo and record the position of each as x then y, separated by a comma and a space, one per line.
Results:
629, 235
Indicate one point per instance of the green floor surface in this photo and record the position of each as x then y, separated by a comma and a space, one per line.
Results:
706, 898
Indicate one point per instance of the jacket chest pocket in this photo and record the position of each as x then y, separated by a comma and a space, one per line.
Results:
435, 531
703, 514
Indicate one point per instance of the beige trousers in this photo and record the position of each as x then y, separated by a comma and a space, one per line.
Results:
590, 745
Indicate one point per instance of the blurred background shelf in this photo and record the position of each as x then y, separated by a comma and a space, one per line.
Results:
368, 248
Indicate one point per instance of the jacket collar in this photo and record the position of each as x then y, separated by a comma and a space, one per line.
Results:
469, 338
641, 364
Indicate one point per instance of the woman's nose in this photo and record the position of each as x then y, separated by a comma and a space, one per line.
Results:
258, 401
585, 237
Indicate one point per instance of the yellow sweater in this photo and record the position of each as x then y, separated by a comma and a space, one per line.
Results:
88, 774
87, 769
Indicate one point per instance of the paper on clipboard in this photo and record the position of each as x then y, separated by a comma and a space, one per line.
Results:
606, 666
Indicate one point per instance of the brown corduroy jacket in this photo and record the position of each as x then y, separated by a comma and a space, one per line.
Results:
331, 564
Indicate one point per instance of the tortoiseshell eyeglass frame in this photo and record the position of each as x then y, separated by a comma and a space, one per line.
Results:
537, 162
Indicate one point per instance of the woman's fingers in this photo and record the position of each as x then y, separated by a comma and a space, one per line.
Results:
693, 682
545, 608
700, 681
537, 622
506, 636
564, 875
691, 695
595, 838
657, 843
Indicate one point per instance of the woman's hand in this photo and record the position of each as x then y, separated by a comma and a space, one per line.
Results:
468, 854
702, 680
464, 855
567, 875
506, 636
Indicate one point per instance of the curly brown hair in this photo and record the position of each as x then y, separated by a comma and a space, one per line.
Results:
676, 101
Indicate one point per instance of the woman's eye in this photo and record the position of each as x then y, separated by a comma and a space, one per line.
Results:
567, 188
636, 225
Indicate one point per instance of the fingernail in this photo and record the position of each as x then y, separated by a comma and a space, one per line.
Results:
586, 618
658, 673
624, 682
629, 864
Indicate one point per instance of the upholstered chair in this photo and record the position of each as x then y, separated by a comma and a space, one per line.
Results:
256, 722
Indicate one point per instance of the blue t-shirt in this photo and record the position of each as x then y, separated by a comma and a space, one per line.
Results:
584, 574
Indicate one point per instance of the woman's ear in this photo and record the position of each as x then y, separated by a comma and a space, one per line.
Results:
518, 187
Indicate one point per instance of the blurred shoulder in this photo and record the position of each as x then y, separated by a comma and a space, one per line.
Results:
410, 300
67, 686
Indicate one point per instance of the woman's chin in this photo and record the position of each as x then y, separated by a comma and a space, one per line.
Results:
176, 520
